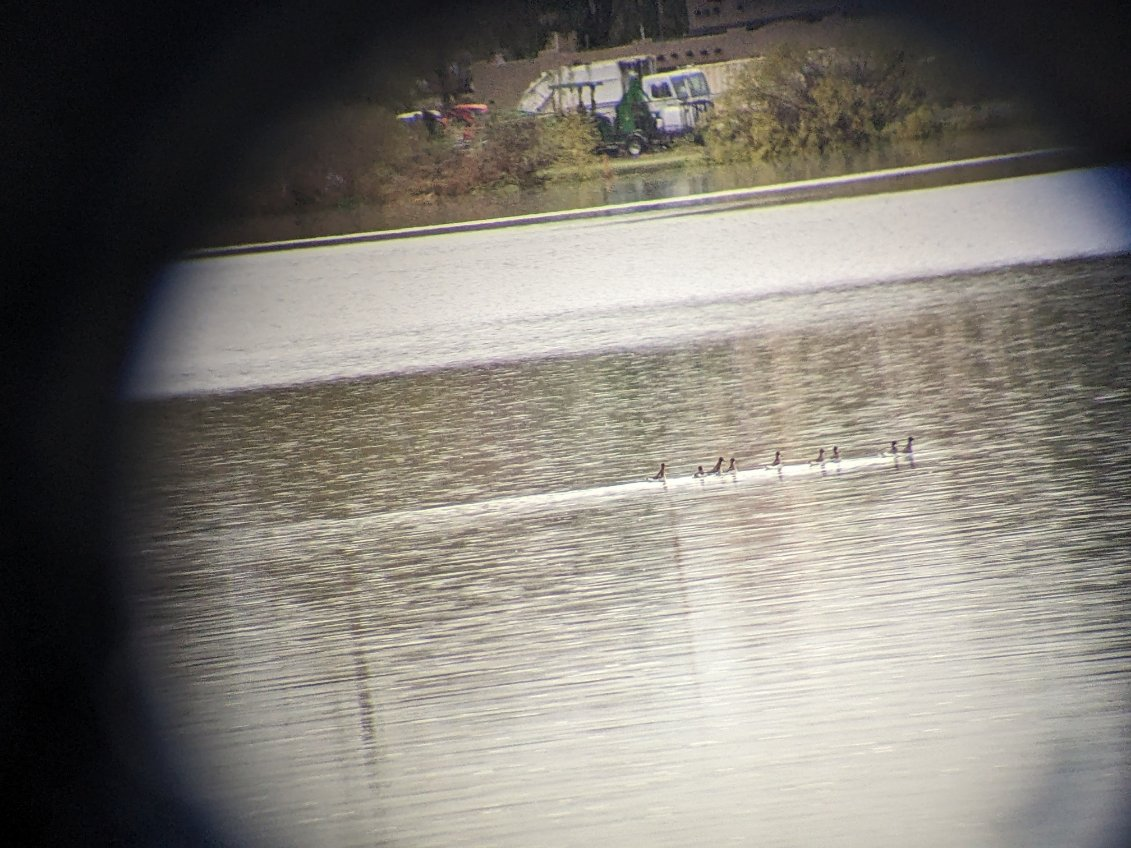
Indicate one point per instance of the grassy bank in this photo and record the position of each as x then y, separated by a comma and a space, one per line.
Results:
667, 168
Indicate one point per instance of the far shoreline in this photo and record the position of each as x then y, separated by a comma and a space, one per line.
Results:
905, 178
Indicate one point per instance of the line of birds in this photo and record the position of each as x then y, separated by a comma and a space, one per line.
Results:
821, 459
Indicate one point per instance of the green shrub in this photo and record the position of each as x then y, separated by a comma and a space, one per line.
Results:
568, 143
819, 101
508, 151
354, 155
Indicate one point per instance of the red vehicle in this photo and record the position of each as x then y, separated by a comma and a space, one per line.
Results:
469, 113
463, 118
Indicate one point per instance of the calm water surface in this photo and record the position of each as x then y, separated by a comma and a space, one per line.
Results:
444, 607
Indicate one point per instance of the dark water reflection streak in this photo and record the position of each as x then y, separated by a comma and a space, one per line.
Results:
431, 609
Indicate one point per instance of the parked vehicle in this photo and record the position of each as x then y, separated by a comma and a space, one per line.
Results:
585, 84
636, 107
460, 119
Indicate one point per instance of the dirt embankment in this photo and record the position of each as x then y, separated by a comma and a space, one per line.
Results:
954, 70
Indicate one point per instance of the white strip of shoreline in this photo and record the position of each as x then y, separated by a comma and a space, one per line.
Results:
707, 198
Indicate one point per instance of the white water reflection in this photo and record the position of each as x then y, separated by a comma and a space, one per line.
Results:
466, 298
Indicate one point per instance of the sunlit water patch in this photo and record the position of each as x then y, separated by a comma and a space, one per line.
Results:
657, 279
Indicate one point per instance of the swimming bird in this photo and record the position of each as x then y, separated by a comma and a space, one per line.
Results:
836, 454
892, 451
662, 473
700, 472
718, 467
820, 457
907, 449
732, 466
777, 459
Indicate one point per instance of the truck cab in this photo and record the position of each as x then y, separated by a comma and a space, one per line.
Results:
677, 99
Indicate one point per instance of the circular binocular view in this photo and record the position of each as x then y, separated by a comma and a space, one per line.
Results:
645, 424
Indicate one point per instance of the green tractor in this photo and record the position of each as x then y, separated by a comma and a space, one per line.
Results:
634, 128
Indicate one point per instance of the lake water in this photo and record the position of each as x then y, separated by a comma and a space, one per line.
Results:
434, 601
